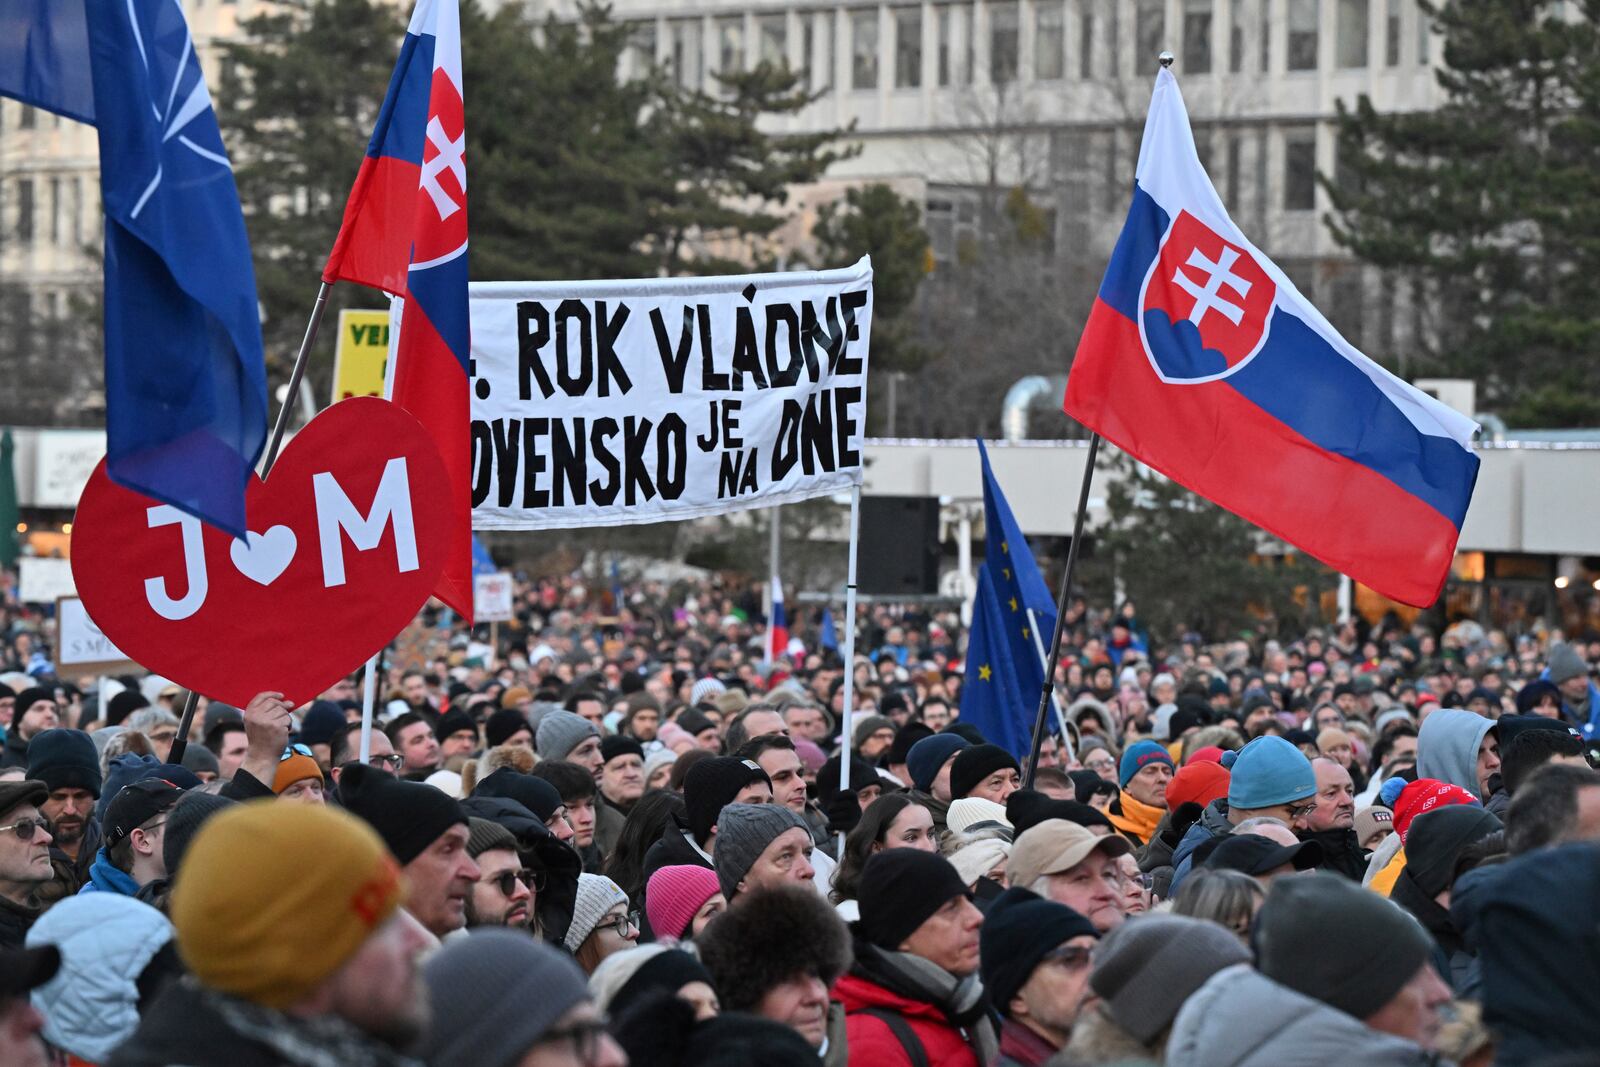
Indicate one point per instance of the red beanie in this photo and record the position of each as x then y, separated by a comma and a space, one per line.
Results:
1426, 794
1199, 783
1209, 754
673, 895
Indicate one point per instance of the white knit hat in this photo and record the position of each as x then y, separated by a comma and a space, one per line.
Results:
705, 687
969, 811
973, 861
597, 895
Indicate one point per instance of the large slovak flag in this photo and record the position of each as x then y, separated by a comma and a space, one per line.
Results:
405, 232
1202, 360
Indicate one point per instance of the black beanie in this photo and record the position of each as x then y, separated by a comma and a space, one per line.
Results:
184, 821
694, 721
861, 773
321, 723
409, 816
900, 890
670, 970
503, 724
1327, 937
1029, 807
711, 785
27, 699
975, 763
64, 759
454, 721
535, 794
119, 707
1436, 839
909, 734
973, 735
1086, 784
1019, 928
617, 745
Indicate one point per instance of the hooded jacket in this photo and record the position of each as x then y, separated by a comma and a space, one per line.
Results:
1213, 822
106, 940
1241, 1018
107, 877
1447, 748
540, 850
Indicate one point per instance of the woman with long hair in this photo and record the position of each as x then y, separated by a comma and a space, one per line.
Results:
894, 821
649, 817
1230, 898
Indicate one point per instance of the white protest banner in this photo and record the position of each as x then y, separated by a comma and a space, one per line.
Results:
615, 402
492, 597
44, 580
80, 646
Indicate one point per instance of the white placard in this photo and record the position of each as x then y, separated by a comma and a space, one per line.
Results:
63, 461
79, 642
44, 581
606, 403
493, 597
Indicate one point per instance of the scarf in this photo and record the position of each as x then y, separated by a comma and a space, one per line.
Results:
1137, 820
961, 999
325, 1041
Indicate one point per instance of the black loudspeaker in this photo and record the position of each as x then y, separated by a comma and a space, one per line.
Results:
899, 550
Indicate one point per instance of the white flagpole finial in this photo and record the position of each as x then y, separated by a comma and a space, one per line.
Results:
1165, 59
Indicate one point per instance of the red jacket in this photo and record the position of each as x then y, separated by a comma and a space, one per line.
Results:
873, 1044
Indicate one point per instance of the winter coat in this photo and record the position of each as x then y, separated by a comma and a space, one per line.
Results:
1241, 1018
1213, 822
1097, 1040
71, 875
869, 987
106, 940
608, 823
106, 877
541, 851
15, 751
676, 848
1341, 852
1389, 853
1447, 748
1451, 959
15, 919
1021, 1047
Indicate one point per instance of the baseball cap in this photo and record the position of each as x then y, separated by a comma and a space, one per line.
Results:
135, 805
1057, 845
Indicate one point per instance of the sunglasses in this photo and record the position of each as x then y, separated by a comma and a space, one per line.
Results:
392, 761
24, 828
506, 881
296, 750
621, 924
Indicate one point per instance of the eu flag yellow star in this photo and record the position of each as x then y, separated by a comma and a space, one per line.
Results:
1013, 603
1005, 547
1025, 632
1007, 572
984, 672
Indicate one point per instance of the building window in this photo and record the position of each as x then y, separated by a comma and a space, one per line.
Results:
1352, 34
1303, 16
1114, 40
1049, 41
1086, 45
29, 118
687, 66
25, 210
75, 211
730, 45
907, 47
1235, 166
55, 211
818, 45
1236, 36
1150, 31
1422, 37
864, 48
955, 44
1003, 36
1264, 28
773, 38
1197, 37
1300, 170
641, 52
1391, 34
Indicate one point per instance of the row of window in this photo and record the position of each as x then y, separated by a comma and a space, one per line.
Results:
1099, 43
46, 211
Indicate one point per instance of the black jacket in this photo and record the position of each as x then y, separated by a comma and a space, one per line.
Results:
539, 849
673, 850
1451, 958
15, 919
15, 752
1341, 852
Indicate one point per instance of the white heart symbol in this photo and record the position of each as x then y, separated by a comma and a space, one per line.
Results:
265, 556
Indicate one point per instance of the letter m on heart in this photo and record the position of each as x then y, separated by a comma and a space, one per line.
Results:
391, 505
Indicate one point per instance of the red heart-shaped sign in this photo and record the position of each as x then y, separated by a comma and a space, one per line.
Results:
344, 548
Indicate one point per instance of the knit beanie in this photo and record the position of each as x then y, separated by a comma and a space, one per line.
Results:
560, 732
869, 725
198, 758
900, 889
1370, 821
533, 793
118, 707
409, 816
711, 785
484, 835
1139, 754
27, 699
705, 689
623, 978
502, 725
1438, 838
1565, 663
1027, 808
743, 832
514, 696
1197, 783
297, 768
970, 811
184, 822
928, 755
977, 858
1409, 799
970, 733
322, 723
862, 774
617, 745
674, 894
64, 759
597, 895
975, 763
1147, 967
694, 722
276, 897
455, 721
1018, 930
494, 994
1327, 937
661, 757
1267, 772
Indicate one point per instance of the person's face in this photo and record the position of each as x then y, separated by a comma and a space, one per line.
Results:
580, 816
578, 1041
68, 811
1149, 785
645, 723
912, 828
418, 746
659, 777
800, 1003
936, 715
378, 989
441, 877
867, 794
788, 782
1575, 687
20, 1025
708, 739
1336, 798
588, 756
491, 905
305, 791
1488, 761
234, 744
1101, 763
940, 789
1135, 898
715, 905
998, 786
460, 743
805, 721
24, 862
161, 739
1404, 748
1054, 993
948, 938
41, 715
8, 708
591, 709
1587, 827
622, 778
1413, 1013
1330, 719
754, 793
606, 936
1093, 889
414, 689
702, 998
875, 743
787, 858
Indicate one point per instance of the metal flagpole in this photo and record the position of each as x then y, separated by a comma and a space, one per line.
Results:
369, 689
1047, 690
774, 550
186, 720
1055, 701
846, 748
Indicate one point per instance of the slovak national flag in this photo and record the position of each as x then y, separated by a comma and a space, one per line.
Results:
778, 625
1202, 360
405, 232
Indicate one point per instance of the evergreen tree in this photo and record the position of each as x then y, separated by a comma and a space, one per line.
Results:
1492, 201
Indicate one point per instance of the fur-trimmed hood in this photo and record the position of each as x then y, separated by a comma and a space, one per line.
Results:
1096, 1038
767, 937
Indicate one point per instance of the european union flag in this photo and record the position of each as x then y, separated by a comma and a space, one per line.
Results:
829, 637
482, 562
992, 695
186, 389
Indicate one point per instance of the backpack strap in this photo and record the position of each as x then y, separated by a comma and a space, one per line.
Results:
902, 1033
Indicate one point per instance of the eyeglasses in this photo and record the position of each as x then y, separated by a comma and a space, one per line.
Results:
506, 881
24, 828
296, 750
1300, 811
1099, 764
392, 761
621, 924
585, 1037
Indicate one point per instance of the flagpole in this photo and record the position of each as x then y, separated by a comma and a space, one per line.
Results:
1047, 690
369, 689
1055, 701
774, 547
847, 712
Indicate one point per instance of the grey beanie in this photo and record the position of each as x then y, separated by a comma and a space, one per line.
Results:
1565, 663
743, 832
597, 895
1327, 937
494, 994
560, 732
483, 835
1146, 968
184, 821
198, 758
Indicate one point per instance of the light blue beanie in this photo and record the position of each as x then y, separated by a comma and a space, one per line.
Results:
1267, 772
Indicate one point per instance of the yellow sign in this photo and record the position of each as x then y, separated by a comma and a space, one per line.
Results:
360, 357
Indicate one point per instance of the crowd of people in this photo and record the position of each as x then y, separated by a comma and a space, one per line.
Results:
619, 834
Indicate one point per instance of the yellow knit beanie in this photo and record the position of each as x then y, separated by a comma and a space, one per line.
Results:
273, 898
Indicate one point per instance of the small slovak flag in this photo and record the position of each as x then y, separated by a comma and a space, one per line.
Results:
777, 625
